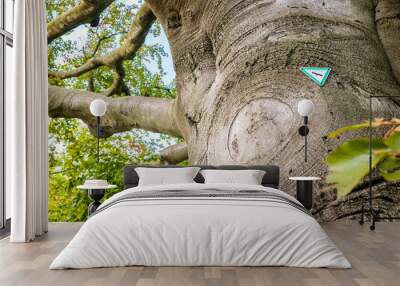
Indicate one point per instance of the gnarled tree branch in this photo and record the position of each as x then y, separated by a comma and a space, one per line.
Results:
139, 29
118, 86
87, 11
123, 113
387, 18
175, 154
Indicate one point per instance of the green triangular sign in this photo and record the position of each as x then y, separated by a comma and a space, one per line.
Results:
318, 75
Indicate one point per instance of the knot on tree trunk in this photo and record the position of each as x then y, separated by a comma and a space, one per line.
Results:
265, 124
193, 117
174, 19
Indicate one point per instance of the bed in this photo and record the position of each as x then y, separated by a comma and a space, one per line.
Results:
198, 224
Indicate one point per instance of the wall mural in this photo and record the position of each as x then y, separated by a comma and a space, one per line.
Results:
234, 97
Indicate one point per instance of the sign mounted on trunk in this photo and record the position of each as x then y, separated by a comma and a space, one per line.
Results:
316, 74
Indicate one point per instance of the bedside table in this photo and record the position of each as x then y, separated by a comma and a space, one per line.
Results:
95, 193
304, 192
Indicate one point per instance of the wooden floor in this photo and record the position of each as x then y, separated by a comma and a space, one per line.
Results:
375, 257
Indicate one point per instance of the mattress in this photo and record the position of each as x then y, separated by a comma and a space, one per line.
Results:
201, 225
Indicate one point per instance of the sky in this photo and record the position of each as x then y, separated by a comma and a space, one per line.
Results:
167, 61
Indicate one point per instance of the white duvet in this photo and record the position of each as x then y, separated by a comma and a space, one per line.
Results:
200, 231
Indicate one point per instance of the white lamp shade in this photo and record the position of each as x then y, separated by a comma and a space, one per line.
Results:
98, 107
305, 107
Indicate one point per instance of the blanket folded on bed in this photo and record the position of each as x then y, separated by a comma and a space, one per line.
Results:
205, 193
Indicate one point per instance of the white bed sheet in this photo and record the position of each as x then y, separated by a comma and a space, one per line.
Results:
200, 232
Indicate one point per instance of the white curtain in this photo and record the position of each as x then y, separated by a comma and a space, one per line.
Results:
26, 124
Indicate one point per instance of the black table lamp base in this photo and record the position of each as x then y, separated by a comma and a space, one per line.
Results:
304, 193
96, 195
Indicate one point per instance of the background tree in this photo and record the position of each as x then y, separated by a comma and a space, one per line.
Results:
238, 80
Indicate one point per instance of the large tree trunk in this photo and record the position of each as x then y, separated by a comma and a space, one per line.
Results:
238, 80
237, 66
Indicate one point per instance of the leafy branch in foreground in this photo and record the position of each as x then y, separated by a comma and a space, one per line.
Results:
349, 163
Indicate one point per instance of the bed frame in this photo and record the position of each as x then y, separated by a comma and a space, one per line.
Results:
270, 179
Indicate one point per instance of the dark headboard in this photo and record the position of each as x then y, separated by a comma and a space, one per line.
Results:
271, 178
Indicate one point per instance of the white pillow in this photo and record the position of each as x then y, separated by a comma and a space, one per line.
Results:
166, 176
248, 177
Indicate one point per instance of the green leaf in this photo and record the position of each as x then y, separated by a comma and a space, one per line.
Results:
349, 163
390, 169
393, 141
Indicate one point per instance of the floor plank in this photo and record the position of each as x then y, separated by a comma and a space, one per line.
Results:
375, 257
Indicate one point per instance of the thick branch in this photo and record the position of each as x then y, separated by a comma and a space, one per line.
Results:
118, 86
87, 11
175, 154
387, 19
123, 113
134, 40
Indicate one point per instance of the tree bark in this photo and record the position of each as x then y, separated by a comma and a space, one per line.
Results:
386, 199
388, 25
237, 72
124, 113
